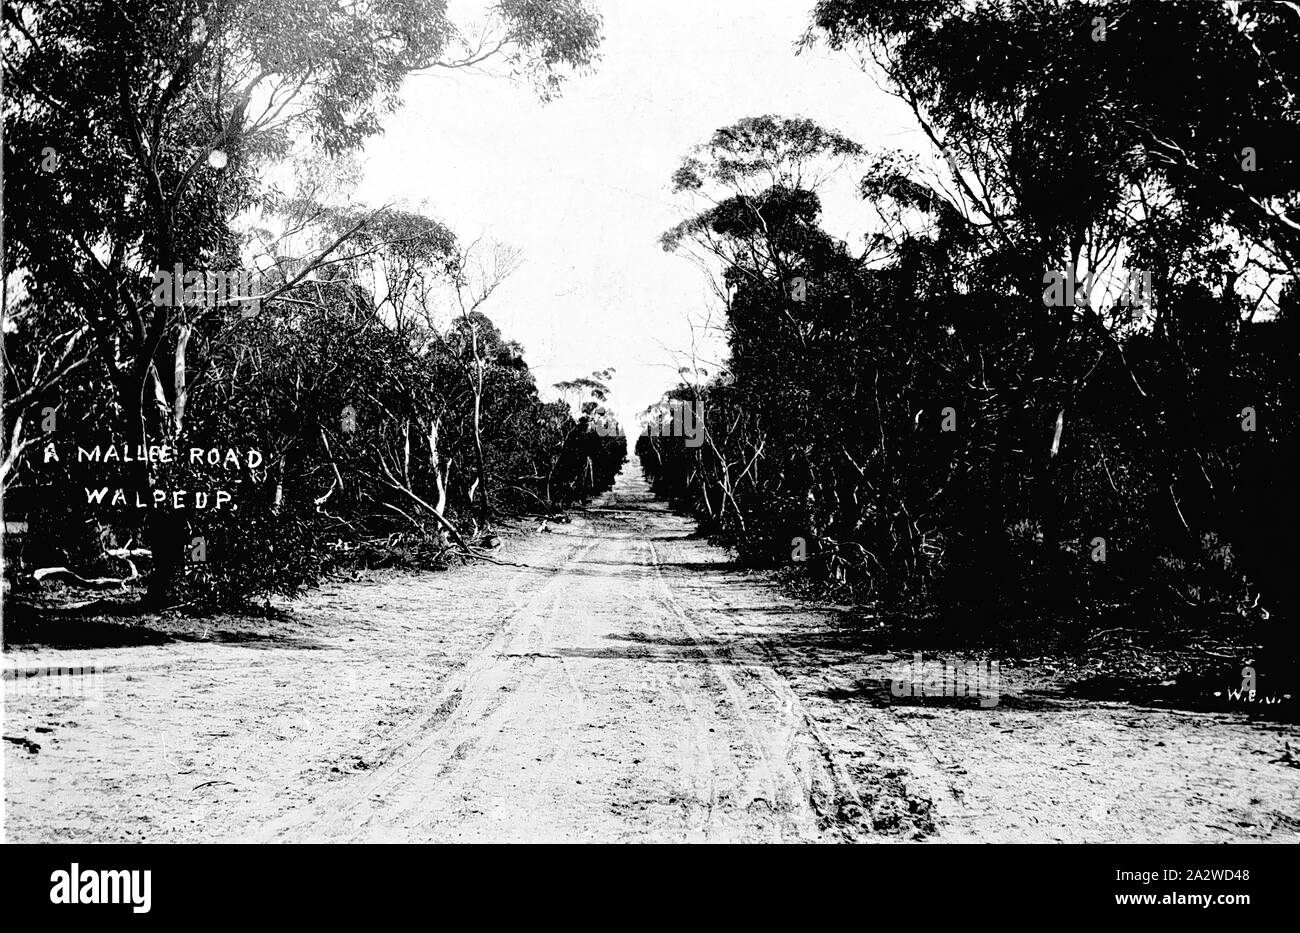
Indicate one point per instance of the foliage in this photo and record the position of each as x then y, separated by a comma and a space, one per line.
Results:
914, 423
137, 134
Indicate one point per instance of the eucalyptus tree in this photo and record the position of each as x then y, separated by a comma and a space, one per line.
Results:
136, 129
1095, 138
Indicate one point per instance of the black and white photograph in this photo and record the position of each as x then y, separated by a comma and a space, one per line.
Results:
676, 422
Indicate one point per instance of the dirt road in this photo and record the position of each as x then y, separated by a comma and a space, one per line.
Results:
621, 682
600, 711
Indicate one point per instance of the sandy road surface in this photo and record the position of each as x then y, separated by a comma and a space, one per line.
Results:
601, 712
621, 683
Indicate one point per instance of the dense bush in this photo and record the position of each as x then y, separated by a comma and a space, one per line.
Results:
131, 151
919, 422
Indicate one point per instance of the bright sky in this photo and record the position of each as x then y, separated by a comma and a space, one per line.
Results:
581, 185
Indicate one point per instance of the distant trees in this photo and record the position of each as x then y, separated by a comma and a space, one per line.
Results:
592, 449
915, 420
136, 133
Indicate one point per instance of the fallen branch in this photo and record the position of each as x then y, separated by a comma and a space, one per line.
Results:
476, 552
98, 583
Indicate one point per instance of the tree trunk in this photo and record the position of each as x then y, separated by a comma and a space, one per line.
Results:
485, 504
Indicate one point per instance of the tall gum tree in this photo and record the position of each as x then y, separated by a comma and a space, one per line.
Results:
135, 130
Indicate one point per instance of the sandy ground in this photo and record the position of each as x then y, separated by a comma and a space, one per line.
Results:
622, 683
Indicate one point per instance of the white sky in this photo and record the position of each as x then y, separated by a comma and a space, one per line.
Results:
581, 185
